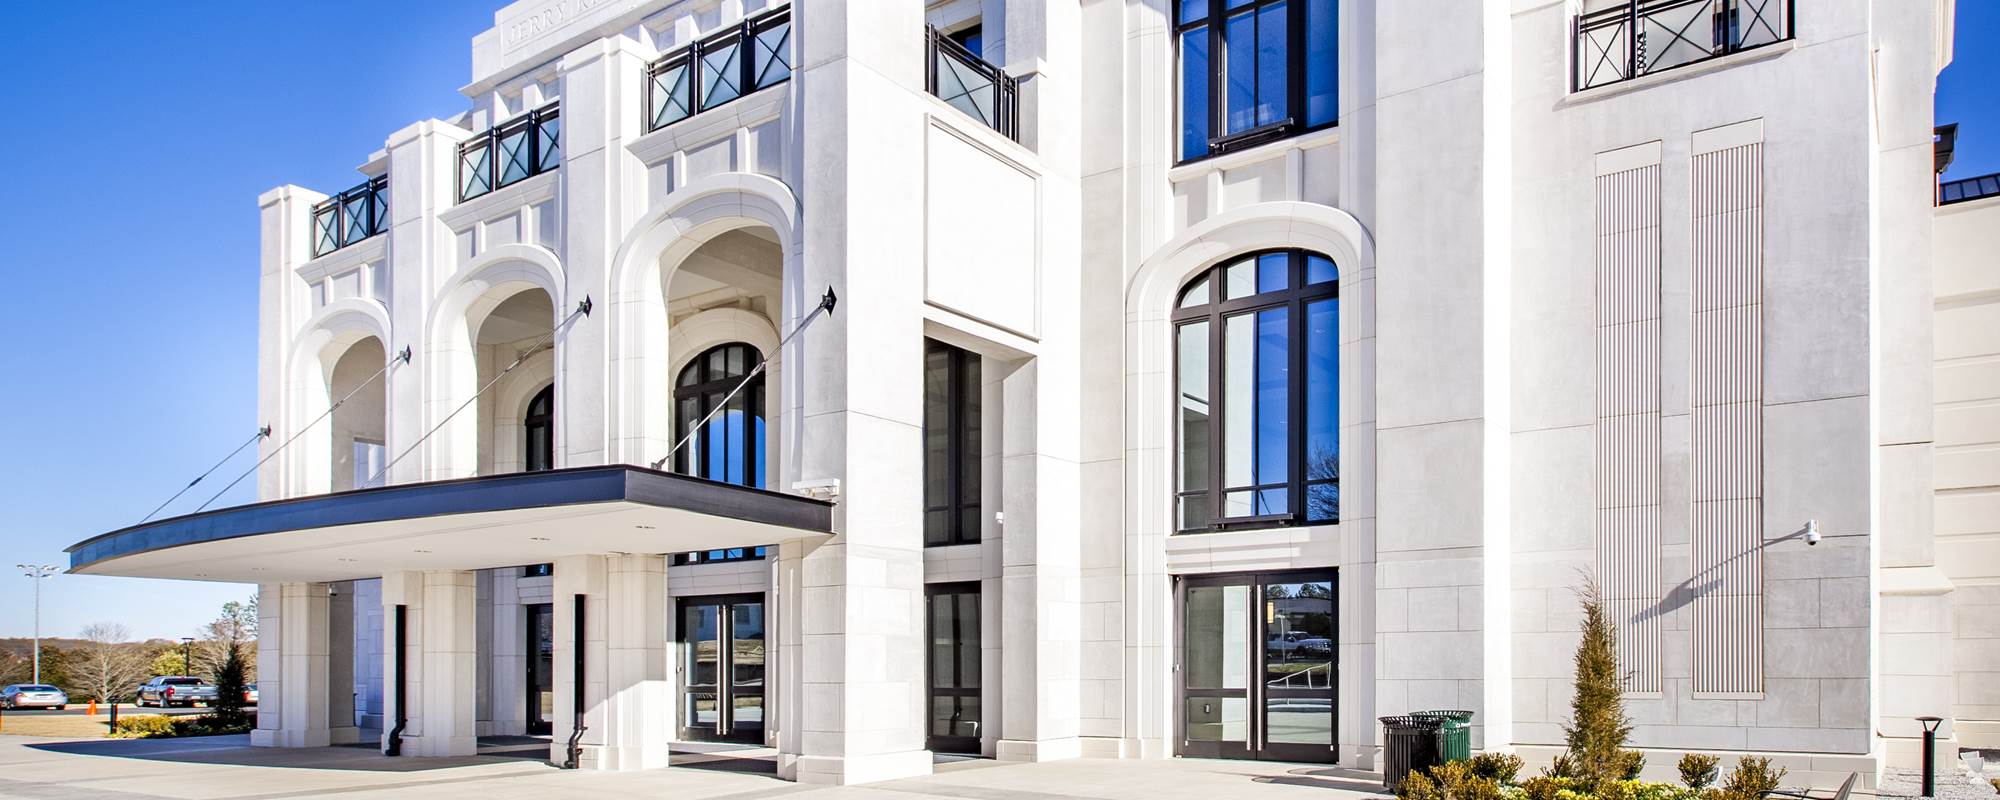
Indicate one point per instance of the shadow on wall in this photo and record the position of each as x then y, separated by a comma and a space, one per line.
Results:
1706, 581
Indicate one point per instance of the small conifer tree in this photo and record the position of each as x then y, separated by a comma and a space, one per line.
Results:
1598, 729
230, 688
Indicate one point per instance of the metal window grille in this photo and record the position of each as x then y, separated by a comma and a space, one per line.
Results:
1641, 38
755, 54
520, 148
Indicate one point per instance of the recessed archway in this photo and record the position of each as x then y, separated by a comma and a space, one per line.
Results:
717, 261
460, 356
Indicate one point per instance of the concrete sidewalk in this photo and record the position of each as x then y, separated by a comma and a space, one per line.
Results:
226, 768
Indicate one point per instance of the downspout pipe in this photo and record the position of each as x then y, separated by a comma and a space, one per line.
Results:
402, 683
576, 687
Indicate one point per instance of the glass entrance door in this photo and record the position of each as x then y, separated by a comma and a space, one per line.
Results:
541, 650
1257, 665
722, 668
952, 617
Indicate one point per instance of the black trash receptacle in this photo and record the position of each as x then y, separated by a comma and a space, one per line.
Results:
1409, 743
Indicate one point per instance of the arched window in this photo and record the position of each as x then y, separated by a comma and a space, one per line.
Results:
730, 447
1258, 393
538, 452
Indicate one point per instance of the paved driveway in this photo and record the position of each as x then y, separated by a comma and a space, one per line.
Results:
226, 768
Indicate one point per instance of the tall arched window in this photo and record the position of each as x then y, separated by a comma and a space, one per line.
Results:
1258, 393
538, 451
730, 447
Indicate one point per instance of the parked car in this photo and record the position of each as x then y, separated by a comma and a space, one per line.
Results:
249, 694
175, 690
33, 695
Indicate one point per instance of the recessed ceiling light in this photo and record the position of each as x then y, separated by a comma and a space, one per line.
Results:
348, 560
538, 538
643, 527
423, 551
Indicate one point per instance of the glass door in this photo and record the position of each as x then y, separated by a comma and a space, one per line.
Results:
541, 649
722, 668
952, 614
1257, 664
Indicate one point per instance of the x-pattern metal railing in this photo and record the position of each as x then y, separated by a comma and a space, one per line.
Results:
964, 81
350, 216
1641, 38
524, 146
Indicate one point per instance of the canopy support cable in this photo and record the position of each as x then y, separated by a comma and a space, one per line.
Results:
261, 433
582, 310
400, 358
826, 304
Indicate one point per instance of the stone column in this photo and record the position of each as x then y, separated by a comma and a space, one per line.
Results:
340, 694
449, 656
439, 656
1442, 371
402, 689
859, 98
292, 709
638, 706
508, 697
1038, 582
574, 576
1040, 594
628, 697
270, 652
482, 663
1914, 675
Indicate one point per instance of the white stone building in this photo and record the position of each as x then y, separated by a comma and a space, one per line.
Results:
1087, 461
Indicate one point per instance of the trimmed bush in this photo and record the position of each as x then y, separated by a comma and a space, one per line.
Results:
159, 726
148, 726
1497, 767
1544, 787
1698, 771
1752, 779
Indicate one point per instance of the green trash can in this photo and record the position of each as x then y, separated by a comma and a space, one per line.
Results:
1455, 730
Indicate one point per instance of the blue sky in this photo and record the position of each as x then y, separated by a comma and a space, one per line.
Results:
137, 159
137, 154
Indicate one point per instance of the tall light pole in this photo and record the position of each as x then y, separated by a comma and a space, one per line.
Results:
38, 572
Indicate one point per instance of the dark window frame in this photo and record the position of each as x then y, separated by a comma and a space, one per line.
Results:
1295, 299
745, 36
542, 132
963, 489
1294, 124
334, 216
945, 743
542, 420
719, 556
707, 386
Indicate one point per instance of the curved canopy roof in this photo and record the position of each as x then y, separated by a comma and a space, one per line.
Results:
471, 523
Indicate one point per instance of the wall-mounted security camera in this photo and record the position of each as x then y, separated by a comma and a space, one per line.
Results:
1812, 531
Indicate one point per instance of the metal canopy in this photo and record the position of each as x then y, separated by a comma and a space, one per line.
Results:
471, 523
